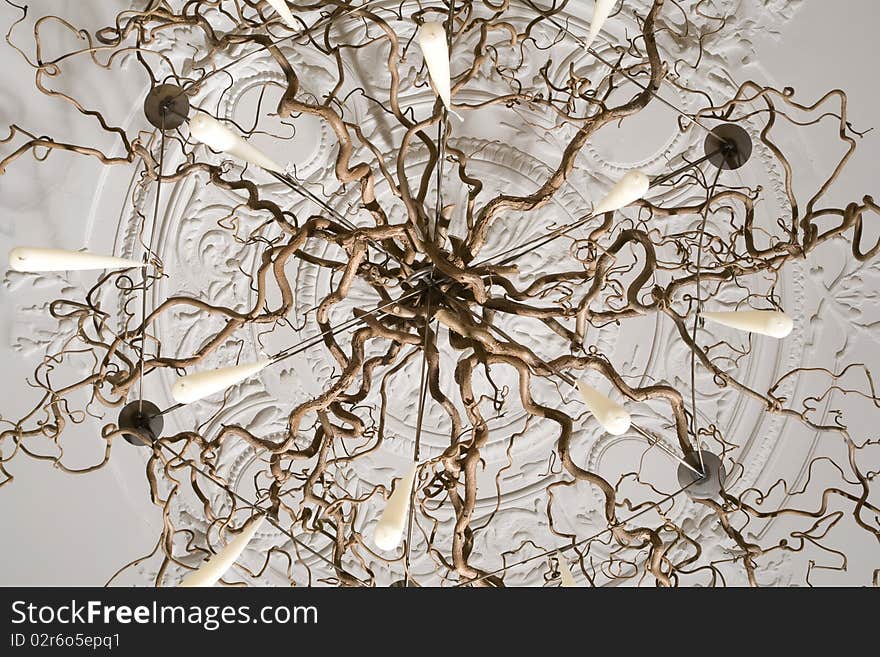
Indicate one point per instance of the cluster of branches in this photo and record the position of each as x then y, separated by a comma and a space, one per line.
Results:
623, 269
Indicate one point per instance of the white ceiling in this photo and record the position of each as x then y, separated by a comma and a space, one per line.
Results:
77, 530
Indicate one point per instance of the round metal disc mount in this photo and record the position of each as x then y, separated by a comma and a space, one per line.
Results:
710, 484
166, 106
728, 146
144, 417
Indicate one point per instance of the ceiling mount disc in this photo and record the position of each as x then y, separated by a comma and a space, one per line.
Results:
735, 144
166, 106
710, 484
145, 418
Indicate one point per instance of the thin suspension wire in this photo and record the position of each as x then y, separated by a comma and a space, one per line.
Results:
534, 244
540, 241
655, 441
571, 546
438, 207
659, 180
697, 314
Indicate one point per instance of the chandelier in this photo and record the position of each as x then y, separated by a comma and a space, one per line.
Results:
388, 306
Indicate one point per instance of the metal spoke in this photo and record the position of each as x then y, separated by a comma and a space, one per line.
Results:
423, 394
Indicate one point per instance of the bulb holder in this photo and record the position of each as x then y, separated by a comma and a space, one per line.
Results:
144, 417
710, 484
166, 106
736, 145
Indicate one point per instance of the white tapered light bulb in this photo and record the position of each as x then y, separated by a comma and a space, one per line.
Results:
565, 572
199, 385
611, 415
772, 323
600, 15
32, 259
628, 189
389, 530
432, 41
284, 11
210, 572
209, 131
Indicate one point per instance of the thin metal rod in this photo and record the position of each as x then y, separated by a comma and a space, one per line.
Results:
564, 230
572, 546
272, 44
535, 244
251, 505
147, 252
567, 378
657, 96
724, 148
295, 185
654, 441
572, 382
170, 409
423, 394
423, 382
316, 339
